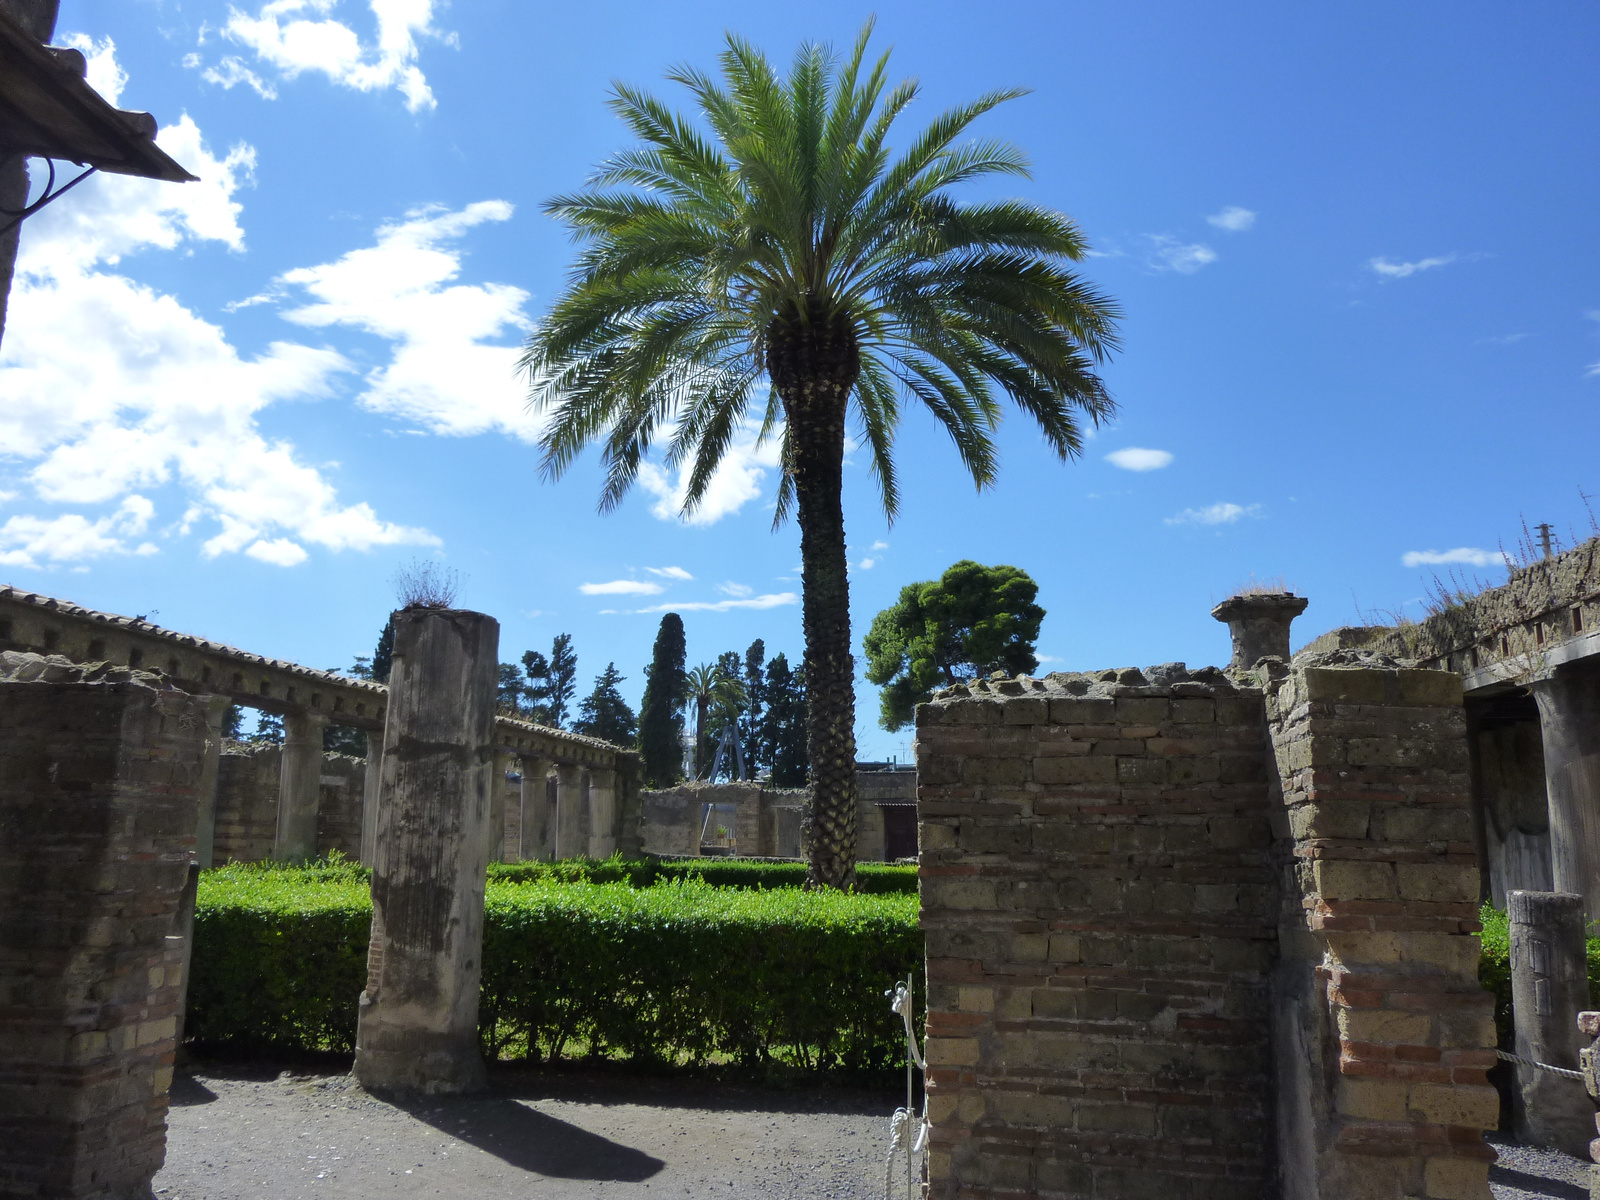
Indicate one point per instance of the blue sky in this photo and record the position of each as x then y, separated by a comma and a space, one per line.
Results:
1356, 248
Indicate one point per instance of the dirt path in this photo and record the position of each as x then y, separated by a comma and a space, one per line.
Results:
233, 1134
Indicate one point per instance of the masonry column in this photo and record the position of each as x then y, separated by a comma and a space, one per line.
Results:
216, 708
497, 805
569, 814
418, 1023
1569, 720
602, 812
299, 786
1259, 625
371, 787
1549, 987
538, 834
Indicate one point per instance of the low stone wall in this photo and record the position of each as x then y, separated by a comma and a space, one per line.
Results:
98, 803
247, 802
1153, 902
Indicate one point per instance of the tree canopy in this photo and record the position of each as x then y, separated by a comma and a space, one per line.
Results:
666, 688
971, 621
604, 714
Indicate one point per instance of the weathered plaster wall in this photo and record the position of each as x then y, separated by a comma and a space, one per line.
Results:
98, 803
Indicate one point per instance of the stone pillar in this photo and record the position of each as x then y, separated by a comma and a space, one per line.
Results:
216, 708
418, 1023
299, 786
1549, 987
1259, 625
497, 805
569, 811
371, 789
538, 827
99, 791
1569, 720
602, 812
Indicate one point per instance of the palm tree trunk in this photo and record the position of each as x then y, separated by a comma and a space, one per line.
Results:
815, 371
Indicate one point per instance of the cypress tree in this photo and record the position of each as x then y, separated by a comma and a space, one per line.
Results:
666, 688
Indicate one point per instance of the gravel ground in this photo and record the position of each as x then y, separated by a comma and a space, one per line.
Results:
1529, 1173
234, 1133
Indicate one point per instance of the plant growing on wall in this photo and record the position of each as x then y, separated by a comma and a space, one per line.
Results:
971, 621
777, 264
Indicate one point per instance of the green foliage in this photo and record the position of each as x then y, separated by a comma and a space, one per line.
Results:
604, 714
1494, 968
383, 654
871, 878
666, 688
552, 682
679, 972
783, 727
971, 621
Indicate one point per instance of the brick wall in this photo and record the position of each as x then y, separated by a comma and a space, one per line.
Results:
1100, 909
1190, 937
247, 802
98, 804
1383, 1029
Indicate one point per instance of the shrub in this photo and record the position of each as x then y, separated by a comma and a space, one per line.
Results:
678, 972
871, 878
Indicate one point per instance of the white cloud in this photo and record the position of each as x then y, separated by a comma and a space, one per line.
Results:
445, 373
771, 600
230, 72
1461, 554
280, 552
112, 388
670, 573
1593, 371
1137, 458
1399, 270
295, 36
736, 482
737, 590
1233, 218
1169, 254
622, 587
1215, 514
28, 541
866, 564
878, 546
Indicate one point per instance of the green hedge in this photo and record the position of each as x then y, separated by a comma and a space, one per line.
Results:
1494, 969
873, 879
679, 972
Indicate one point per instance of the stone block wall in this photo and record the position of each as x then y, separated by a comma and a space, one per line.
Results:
247, 802
1383, 1032
1192, 937
1100, 908
766, 820
98, 804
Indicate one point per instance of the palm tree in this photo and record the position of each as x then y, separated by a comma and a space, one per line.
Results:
718, 699
781, 242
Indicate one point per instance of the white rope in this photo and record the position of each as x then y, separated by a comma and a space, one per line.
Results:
906, 1119
1539, 1066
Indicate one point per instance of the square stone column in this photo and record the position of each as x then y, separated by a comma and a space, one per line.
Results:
1569, 722
299, 786
537, 840
418, 1023
370, 790
602, 812
215, 708
99, 788
569, 840
497, 805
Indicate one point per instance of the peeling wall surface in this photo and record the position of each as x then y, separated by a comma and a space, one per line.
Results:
1156, 900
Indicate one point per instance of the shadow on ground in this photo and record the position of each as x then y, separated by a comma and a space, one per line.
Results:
535, 1141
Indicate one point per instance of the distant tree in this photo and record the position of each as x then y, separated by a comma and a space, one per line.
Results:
233, 722
269, 728
971, 621
666, 688
604, 714
345, 739
755, 700
383, 656
783, 726
718, 697
512, 690
552, 682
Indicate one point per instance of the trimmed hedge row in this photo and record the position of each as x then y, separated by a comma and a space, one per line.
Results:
1494, 968
678, 972
872, 879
